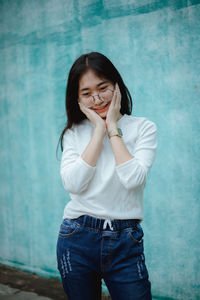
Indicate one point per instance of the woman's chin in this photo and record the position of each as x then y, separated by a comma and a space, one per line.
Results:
103, 114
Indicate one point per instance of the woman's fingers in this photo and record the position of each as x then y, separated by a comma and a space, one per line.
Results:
91, 115
86, 111
115, 94
114, 98
118, 96
83, 108
114, 109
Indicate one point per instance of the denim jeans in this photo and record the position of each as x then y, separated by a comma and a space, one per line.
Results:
87, 252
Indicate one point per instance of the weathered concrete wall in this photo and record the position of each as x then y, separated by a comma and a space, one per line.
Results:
156, 47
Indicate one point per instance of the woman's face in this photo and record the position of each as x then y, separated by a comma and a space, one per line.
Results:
91, 85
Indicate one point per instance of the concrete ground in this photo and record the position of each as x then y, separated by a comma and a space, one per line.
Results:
8, 293
21, 285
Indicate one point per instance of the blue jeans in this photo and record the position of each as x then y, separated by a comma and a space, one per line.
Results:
87, 252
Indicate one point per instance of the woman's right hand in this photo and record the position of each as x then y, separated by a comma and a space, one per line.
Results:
92, 151
93, 117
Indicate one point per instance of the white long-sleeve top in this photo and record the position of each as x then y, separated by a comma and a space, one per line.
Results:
108, 191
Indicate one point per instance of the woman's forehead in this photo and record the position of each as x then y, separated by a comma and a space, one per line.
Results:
91, 80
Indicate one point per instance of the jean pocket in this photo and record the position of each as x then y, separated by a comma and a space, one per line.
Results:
136, 234
68, 228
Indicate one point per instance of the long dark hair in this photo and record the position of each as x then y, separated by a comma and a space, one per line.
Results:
102, 67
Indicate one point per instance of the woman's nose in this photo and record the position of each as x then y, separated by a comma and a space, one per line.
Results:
97, 99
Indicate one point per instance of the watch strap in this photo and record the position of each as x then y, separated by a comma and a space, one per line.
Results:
117, 132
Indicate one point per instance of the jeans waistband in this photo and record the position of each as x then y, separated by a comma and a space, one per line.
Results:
101, 224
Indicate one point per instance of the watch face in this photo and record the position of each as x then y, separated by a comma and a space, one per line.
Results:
120, 131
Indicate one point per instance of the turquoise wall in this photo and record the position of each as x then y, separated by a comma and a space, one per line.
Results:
156, 47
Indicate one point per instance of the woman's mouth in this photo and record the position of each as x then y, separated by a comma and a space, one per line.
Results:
101, 109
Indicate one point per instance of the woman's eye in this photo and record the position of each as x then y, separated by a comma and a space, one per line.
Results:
103, 88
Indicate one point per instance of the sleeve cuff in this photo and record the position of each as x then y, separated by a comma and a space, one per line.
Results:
131, 174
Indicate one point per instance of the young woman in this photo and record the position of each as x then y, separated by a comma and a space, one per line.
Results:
106, 157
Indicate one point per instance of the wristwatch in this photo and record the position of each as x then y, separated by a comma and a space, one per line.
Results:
117, 132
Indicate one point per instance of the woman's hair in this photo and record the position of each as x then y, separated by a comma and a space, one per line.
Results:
103, 68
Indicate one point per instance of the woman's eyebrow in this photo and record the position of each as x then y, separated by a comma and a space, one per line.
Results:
99, 84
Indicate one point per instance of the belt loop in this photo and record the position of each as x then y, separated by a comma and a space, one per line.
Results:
107, 222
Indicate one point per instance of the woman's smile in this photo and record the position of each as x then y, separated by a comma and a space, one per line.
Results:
102, 109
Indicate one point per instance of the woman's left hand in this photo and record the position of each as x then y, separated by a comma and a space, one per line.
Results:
114, 108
